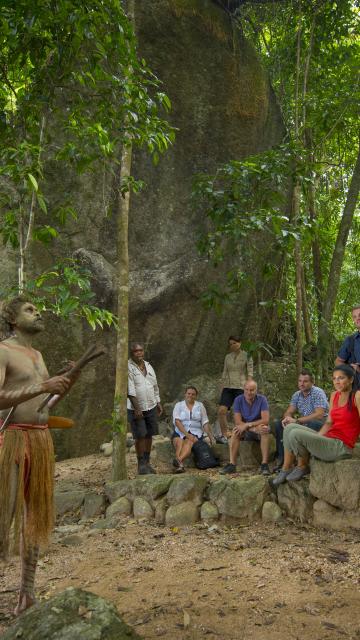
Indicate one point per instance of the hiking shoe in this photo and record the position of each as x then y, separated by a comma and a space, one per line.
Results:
143, 469
280, 478
297, 474
150, 468
176, 463
221, 440
264, 469
229, 468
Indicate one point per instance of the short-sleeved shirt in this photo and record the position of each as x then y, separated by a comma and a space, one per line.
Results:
251, 412
143, 387
193, 420
350, 356
305, 405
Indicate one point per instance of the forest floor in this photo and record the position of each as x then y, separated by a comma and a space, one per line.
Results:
252, 582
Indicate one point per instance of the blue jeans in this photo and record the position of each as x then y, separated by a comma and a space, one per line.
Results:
315, 425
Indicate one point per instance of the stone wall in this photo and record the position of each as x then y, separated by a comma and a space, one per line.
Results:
329, 498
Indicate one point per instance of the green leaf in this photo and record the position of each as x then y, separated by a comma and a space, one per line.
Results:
32, 181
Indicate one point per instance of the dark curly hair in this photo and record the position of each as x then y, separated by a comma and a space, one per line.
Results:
8, 312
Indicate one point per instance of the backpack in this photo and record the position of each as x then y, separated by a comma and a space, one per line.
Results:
356, 383
203, 455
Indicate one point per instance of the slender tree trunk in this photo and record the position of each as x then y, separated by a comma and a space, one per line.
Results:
298, 269
26, 228
121, 378
337, 262
316, 253
122, 345
296, 213
305, 310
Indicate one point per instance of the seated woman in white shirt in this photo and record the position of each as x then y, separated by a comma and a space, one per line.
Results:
190, 424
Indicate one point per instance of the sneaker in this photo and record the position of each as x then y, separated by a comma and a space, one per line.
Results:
221, 440
264, 469
180, 469
297, 474
280, 478
176, 463
229, 468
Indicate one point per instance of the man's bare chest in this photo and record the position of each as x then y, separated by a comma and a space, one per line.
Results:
24, 367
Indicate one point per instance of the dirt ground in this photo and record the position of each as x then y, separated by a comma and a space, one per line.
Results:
252, 582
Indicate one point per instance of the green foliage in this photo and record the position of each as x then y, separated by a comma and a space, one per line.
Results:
312, 55
116, 422
66, 291
72, 67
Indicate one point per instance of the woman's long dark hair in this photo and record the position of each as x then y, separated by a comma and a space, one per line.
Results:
350, 373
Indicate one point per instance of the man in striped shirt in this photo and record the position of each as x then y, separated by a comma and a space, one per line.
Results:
309, 403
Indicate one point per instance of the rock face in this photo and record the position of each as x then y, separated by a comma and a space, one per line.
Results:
296, 500
71, 614
223, 108
337, 483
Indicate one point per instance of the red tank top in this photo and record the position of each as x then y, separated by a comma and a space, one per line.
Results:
345, 422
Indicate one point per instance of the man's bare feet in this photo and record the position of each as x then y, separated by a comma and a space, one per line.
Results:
25, 601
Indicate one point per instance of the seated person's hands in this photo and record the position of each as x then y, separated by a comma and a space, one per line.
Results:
287, 420
261, 429
238, 430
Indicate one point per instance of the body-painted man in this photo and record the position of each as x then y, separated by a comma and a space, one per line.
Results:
26, 449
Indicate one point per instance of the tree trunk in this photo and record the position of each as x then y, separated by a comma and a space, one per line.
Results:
337, 262
316, 254
121, 378
298, 268
305, 310
122, 344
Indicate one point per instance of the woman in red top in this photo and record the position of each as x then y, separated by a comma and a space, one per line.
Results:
337, 437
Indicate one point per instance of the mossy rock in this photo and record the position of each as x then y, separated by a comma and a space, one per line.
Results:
73, 613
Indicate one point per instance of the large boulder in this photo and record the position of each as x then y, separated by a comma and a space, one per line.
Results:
337, 483
239, 499
223, 109
296, 500
73, 613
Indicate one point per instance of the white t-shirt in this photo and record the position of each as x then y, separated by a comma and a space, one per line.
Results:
193, 420
143, 387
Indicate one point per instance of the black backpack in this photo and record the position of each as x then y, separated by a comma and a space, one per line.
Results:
203, 455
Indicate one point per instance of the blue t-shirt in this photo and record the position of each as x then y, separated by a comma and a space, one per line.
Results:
345, 353
250, 412
305, 405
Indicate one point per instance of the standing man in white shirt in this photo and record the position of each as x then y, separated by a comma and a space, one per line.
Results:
143, 406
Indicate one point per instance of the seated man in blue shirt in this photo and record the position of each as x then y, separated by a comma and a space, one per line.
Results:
309, 403
350, 349
251, 415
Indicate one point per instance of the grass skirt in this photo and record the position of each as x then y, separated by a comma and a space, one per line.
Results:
26, 487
